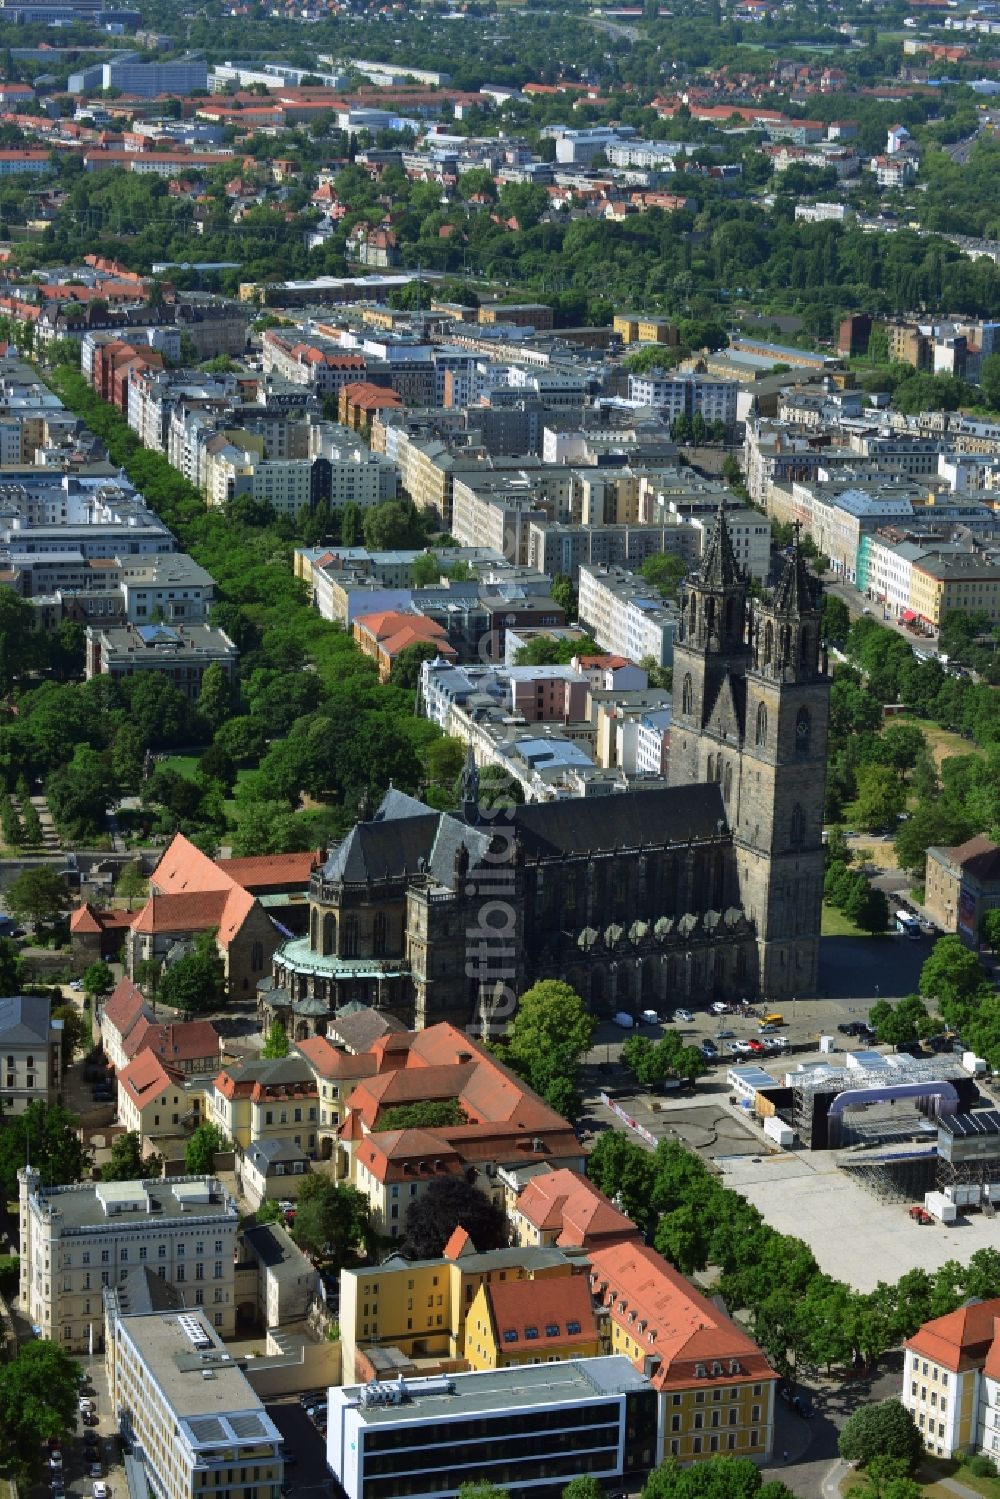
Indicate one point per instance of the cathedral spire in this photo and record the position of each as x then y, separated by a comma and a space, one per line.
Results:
797, 591
719, 568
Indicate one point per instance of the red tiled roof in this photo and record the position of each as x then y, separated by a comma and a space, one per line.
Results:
271, 869
399, 1154
566, 1201
185, 867
182, 1041
199, 911
146, 1078
960, 1340
460, 1243
84, 919
671, 1320
124, 1006
545, 1307
330, 1061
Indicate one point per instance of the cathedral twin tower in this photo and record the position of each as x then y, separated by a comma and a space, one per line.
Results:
751, 713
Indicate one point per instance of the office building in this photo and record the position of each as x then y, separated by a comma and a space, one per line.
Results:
188, 1411
534, 1428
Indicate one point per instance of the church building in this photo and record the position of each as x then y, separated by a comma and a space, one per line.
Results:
710, 887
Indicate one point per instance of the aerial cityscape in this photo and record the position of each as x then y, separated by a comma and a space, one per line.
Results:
500, 749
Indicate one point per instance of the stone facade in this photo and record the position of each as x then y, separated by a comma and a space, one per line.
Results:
640, 900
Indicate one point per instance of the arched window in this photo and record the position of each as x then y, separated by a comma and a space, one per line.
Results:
379, 933
798, 827
727, 785
350, 936
718, 767
313, 928
710, 616
694, 612
803, 731
686, 695
768, 643
329, 934
761, 734
257, 957
711, 768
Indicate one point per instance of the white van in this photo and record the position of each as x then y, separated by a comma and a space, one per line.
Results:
650, 1017
624, 1019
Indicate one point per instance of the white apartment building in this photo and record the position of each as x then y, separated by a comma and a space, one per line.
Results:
283, 483
78, 1241
685, 395
188, 1411
750, 533
625, 615
890, 571
31, 1048
652, 742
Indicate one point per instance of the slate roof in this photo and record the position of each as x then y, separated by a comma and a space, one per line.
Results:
358, 1029
25, 1018
669, 815
719, 567
375, 850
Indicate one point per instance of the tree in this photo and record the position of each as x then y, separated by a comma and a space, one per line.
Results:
393, 525
989, 379
47, 1137
131, 884
331, 1220
38, 1400
897, 1025
10, 968
215, 700
550, 1035
884, 1430
867, 907
98, 980
429, 1114
989, 930
127, 1163
406, 667
147, 974
195, 983
447, 1202
836, 619
37, 894
880, 799
276, 1042
483, 1490
200, 1151
952, 973
565, 595
20, 642
666, 571
583, 1488
717, 1477
74, 1030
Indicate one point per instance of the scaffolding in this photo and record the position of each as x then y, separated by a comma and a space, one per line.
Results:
969, 1152
894, 1178
814, 1090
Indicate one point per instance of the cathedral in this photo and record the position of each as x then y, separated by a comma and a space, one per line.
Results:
710, 887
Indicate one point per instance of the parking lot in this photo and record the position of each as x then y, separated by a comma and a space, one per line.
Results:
305, 1448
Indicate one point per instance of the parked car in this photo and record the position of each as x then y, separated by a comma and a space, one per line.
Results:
89, 1420
55, 1460
740, 1048
96, 1470
724, 1034
100, 1489
54, 1444
802, 1406
718, 1008
684, 1015
57, 1488
709, 1050
755, 1047
855, 1028
777, 1043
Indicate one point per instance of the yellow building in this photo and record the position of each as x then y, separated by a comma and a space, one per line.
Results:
266, 1099
950, 1373
635, 327
531, 1322
420, 1307
715, 1385
964, 584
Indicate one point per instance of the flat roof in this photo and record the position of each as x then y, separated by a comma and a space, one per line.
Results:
82, 1205
179, 1349
503, 1390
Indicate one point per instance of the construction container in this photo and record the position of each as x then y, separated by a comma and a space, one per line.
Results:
781, 1133
973, 1064
939, 1207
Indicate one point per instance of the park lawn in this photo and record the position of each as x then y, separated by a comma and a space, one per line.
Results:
182, 765
836, 924
943, 742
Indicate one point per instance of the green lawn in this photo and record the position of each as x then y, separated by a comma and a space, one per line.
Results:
184, 765
836, 924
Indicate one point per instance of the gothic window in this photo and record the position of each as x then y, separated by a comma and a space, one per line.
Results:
798, 827
731, 617
761, 736
711, 768
741, 963
686, 695
803, 731
379, 937
350, 936
804, 648
329, 933
710, 616
768, 643
718, 767
694, 612
257, 957
313, 928
727, 789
